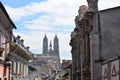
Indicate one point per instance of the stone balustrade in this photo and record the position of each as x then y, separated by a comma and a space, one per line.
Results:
20, 42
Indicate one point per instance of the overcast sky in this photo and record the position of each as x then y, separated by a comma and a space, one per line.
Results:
34, 18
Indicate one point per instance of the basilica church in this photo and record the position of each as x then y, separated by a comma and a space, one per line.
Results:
49, 49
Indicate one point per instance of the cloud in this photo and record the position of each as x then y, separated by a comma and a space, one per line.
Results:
54, 8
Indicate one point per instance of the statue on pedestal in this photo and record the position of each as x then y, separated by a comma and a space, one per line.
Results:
82, 11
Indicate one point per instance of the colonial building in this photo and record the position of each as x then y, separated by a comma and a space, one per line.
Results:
14, 55
6, 27
94, 40
19, 56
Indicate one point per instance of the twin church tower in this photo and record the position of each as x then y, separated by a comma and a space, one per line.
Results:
47, 49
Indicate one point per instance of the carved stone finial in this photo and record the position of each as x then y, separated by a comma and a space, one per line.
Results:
22, 42
18, 37
27, 47
93, 5
82, 11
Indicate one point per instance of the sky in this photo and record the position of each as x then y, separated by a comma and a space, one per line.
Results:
35, 18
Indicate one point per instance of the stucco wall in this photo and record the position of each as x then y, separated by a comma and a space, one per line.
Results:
110, 38
110, 29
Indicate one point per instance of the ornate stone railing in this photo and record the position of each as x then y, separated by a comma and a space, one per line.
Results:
20, 42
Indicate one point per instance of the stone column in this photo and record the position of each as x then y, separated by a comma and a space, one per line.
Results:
14, 67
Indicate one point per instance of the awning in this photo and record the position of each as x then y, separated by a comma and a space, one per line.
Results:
63, 73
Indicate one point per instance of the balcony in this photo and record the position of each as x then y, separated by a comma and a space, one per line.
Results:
17, 46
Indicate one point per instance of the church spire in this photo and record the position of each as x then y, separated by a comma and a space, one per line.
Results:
56, 38
56, 45
50, 49
45, 44
45, 37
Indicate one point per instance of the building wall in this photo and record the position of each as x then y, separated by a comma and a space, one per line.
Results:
110, 30
1, 73
108, 45
5, 36
19, 71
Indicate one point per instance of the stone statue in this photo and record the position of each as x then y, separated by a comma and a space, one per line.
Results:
82, 10
93, 5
